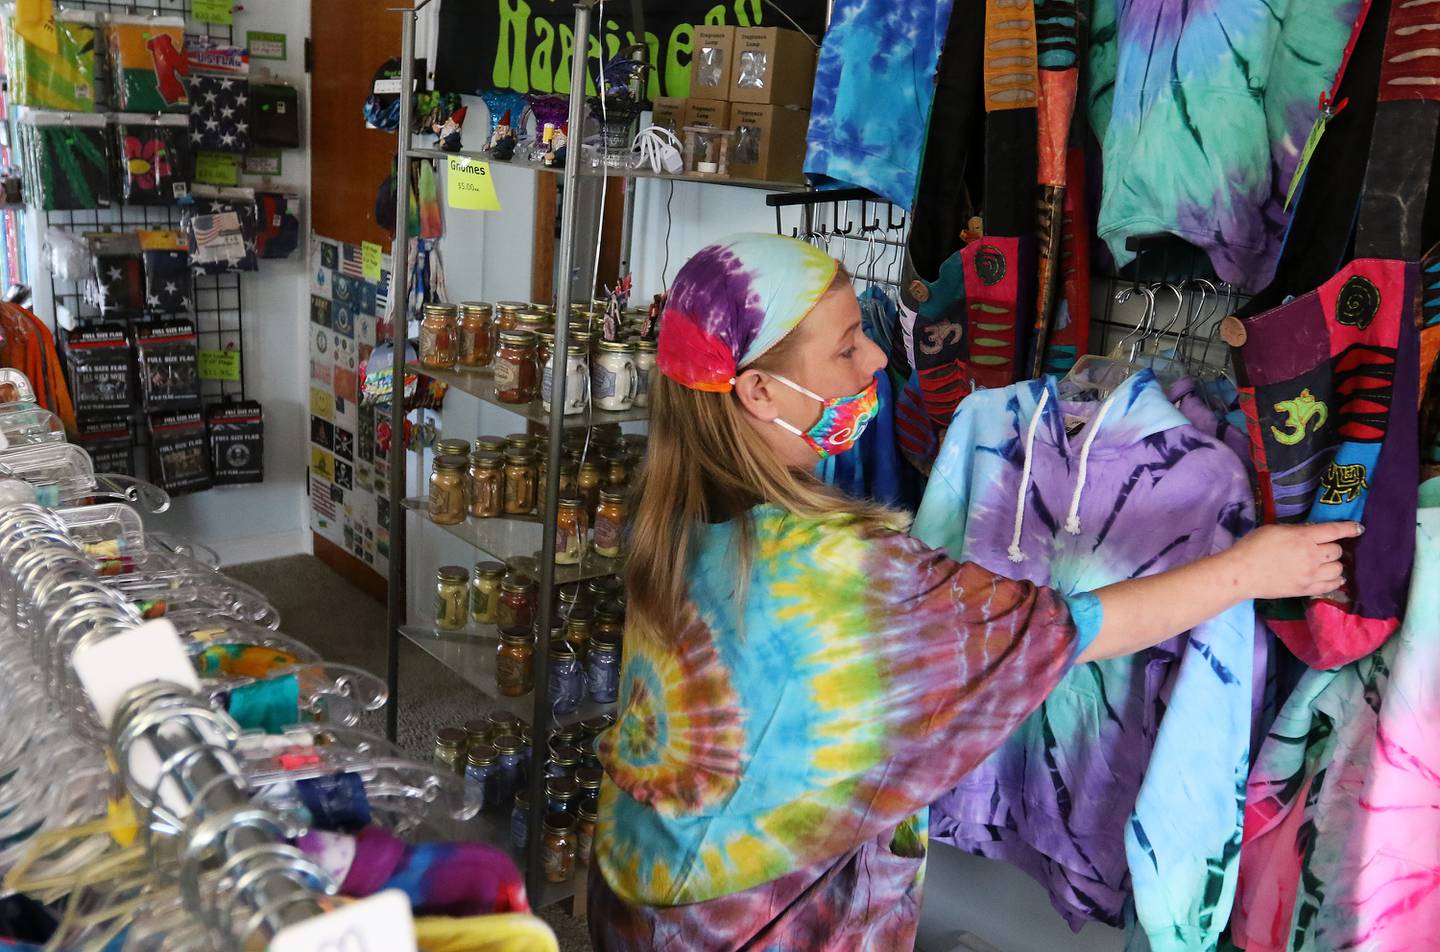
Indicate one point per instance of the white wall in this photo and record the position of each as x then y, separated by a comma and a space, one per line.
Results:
268, 520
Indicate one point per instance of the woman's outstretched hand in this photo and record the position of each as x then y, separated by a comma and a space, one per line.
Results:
1271, 562
1297, 560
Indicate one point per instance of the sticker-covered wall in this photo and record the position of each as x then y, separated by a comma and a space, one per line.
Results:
349, 504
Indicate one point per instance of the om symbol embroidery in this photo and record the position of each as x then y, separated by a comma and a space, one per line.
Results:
1299, 412
935, 337
1343, 484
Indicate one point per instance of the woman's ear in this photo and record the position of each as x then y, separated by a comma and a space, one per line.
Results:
754, 390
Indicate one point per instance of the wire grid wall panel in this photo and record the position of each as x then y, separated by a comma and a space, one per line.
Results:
1162, 260
217, 305
867, 236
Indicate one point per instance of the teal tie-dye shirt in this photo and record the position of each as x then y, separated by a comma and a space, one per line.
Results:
1202, 108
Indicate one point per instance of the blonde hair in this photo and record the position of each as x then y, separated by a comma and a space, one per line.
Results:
706, 463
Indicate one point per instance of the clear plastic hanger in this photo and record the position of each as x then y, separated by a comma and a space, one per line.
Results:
1095, 377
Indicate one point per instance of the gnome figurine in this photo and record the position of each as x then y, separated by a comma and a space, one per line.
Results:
556, 156
448, 132
504, 140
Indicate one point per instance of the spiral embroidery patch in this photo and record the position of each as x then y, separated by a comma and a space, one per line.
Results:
990, 265
1358, 302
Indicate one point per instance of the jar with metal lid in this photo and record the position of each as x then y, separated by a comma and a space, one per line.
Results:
558, 857
595, 726
577, 634
507, 764
521, 482
563, 762
522, 441
520, 820
477, 732
518, 596
609, 620
562, 794
515, 665
489, 444
610, 525
477, 335
585, 834
615, 464
612, 376
534, 321
481, 770
565, 735
567, 679
448, 491
634, 444
452, 597
585, 339
567, 598
577, 380
605, 588
486, 485
572, 528
507, 314
516, 376
544, 348
587, 486
452, 448
589, 779
645, 370
439, 337
485, 581
602, 669
450, 746
607, 436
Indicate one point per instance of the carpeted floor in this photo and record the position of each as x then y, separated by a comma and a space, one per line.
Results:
346, 626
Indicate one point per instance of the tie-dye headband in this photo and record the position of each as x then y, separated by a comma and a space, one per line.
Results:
733, 301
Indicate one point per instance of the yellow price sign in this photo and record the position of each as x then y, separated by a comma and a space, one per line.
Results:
370, 260
470, 186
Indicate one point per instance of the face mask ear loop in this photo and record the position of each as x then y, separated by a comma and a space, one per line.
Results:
801, 390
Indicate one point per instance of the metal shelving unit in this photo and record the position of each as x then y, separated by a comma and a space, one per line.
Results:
471, 653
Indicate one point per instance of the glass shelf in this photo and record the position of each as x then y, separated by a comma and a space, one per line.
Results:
471, 656
595, 171
481, 383
519, 536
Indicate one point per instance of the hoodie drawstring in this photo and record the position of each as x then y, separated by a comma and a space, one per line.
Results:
1016, 553
1072, 520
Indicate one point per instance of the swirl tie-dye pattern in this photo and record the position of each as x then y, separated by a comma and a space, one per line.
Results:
767, 776
1342, 819
1202, 108
1130, 777
733, 301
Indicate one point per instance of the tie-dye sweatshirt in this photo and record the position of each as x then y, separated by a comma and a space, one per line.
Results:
769, 773
1342, 815
1202, 109
1131, 774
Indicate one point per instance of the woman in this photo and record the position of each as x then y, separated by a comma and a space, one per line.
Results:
802, 679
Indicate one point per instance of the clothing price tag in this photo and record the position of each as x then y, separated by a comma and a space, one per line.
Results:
382, 923
469, 185
220, 365
387, 87
263, 162
370, 255
213, 11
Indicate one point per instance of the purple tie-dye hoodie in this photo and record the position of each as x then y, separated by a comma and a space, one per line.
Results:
1131, 776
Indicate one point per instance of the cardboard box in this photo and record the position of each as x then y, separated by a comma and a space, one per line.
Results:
669, 113
707, 112
712, 63
769, 142
773, 66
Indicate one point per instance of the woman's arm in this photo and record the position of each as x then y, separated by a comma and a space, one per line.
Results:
1271, 562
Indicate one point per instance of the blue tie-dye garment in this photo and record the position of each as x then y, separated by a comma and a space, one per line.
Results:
1202, 108
1131, 776
873, 89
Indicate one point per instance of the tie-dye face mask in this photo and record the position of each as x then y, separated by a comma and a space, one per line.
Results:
842, 419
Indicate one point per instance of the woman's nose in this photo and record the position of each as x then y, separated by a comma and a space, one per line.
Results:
874, 359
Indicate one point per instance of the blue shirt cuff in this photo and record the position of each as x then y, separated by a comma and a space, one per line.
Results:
1088, 615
